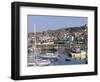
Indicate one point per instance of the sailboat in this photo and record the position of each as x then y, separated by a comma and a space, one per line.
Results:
50, 56
37, 61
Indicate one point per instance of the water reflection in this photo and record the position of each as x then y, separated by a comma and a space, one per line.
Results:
53, 56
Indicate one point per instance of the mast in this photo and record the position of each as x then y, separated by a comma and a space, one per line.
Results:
46, 39
34, 30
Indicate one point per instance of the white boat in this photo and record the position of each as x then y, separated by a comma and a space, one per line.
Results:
83, 55
49, 56
42, 62
39, 62
31, 63
34, 60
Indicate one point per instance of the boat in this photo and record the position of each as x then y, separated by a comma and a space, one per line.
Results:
34, 59
39, 62
83, 54
67, 59
50, 56
79, 54
42, 62
31, 63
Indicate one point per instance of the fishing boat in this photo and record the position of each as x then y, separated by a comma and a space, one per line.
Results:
79, 54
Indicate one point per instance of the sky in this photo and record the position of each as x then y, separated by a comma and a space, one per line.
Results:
44, 22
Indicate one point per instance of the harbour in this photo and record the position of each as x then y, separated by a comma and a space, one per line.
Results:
56, 57
65, 46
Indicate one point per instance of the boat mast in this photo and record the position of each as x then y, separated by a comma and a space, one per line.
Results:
46, 39
34, 30
34, 34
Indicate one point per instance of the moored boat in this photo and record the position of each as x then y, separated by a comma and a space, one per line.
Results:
79, 54
39, 62
50, 56
42, 62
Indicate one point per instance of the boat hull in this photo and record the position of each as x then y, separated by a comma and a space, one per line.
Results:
50, 57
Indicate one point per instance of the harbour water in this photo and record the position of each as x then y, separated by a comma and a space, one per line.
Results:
62, 59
